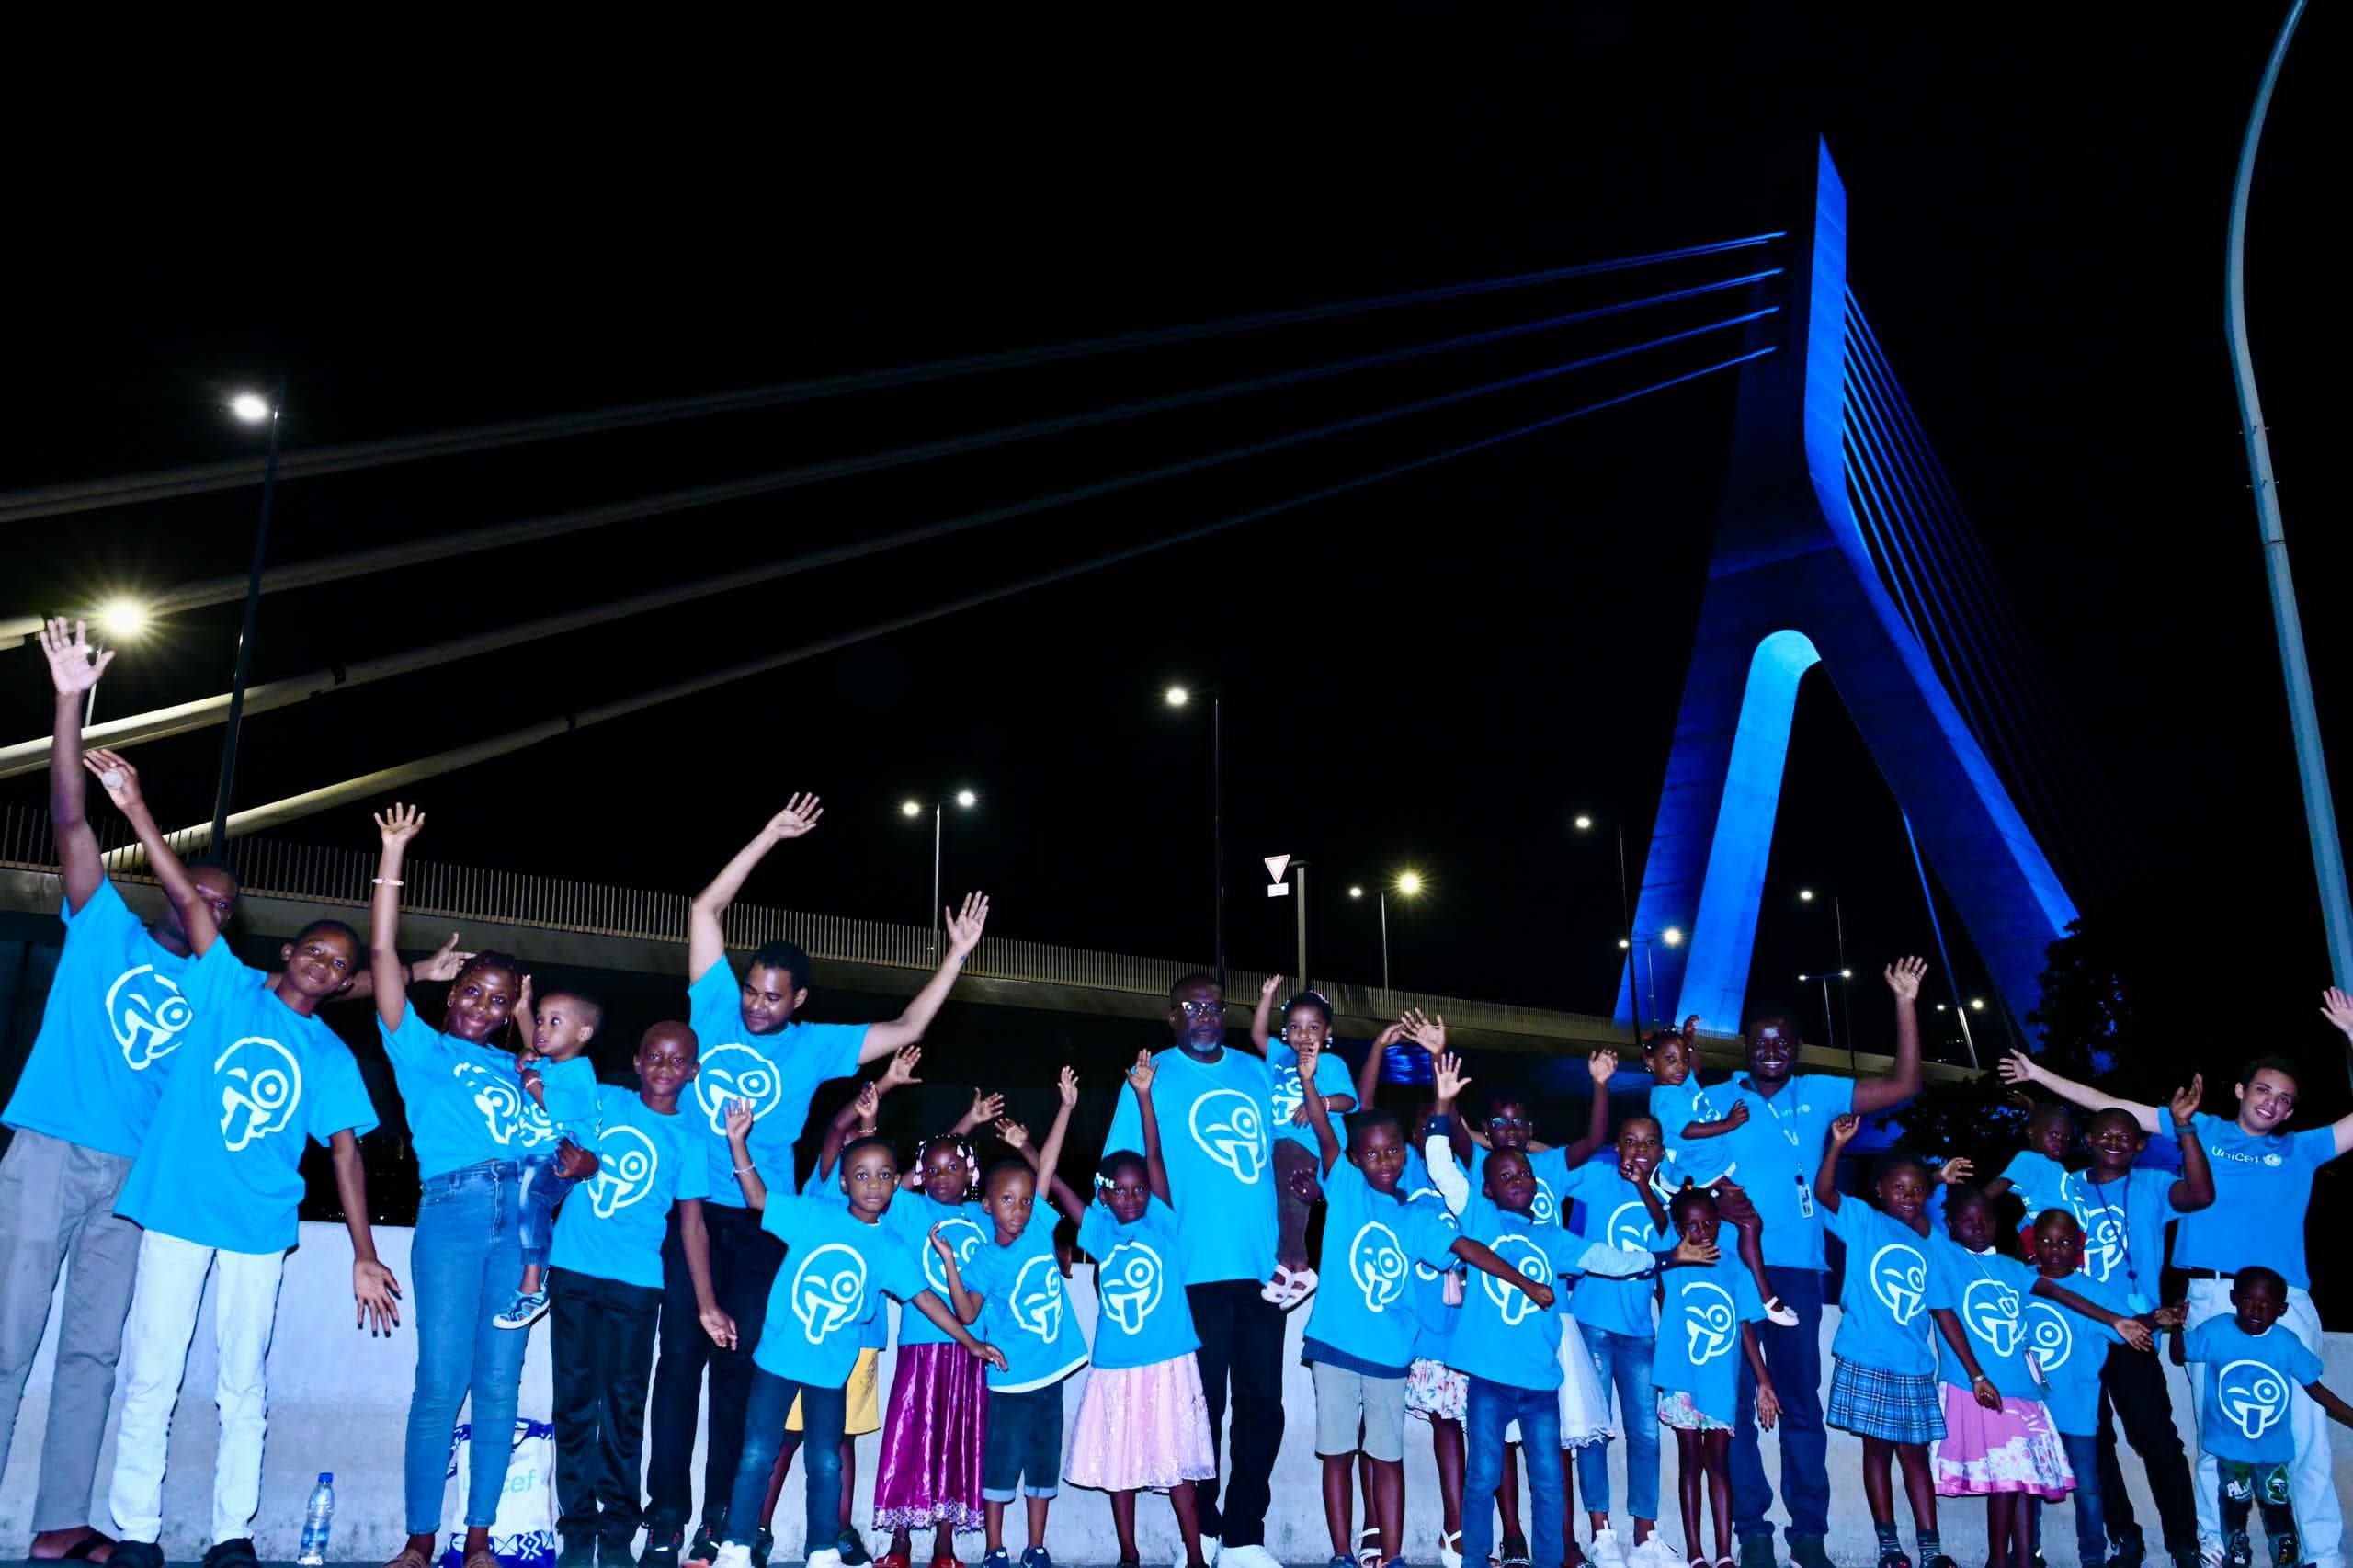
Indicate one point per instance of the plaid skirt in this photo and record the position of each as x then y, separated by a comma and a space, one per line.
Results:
1895, 1407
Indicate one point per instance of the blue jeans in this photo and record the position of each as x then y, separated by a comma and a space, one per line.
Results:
463, 1266
822, 1411
542, 1190
1490, 1408
1623, 1360
2091, 1523
1794, 1358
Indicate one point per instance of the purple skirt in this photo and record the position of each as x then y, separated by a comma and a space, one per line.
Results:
932, 1437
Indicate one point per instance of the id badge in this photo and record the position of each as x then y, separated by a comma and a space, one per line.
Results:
2034, 1368
1805, 1199
2139, 1302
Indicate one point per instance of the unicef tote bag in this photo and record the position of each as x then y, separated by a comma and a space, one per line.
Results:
523, 1534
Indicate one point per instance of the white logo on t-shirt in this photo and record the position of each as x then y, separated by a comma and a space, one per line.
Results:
1422, 1271
1991, 1310
146, 1018
2253, 1396
1128, 1283
1545, 1210
260, 1085
1709, 1317
2049, 1334
626, 1164
1899, 1277
964, 1237
828, 1288
1630, 1228
2104, 1243
1036, 1302
1286, 1095
732, 1073
1231, 1130
510, 1115
1512, 1303
1376, 1263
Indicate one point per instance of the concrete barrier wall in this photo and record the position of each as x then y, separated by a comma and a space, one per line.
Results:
338, 1401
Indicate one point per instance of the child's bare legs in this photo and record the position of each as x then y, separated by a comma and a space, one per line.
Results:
1689, 1464
1123, 1525
1879, 1491
1386, 1506
1338, 1478
2008, 1531
1188, 1522
943, 1542
1716, 1453
1919, 1486
1742, 1214
531, 1278
1446, 1455
1367, 1486
993, 1524
1037, 1512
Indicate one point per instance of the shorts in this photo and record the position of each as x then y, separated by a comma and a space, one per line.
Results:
1675, 1410
863, 1414
1023, 1446
1436, 1392
1347, 1400
1895, 1407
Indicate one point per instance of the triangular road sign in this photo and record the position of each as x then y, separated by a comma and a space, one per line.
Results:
1276, 864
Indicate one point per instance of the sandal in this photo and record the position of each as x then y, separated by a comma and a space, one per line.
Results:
1368, 1547
410, 1557
1449, 1549
95, 1541
482, 1559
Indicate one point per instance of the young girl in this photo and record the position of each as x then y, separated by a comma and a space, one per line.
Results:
937, 1425
1017, 1282
466, 1120
840, 1262
1696, 1150
1622, 1208
1307, 1026
1143, 1421
1705, 1313
1884, 1388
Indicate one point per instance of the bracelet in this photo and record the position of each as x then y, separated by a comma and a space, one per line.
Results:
745, 1170
386, 883
1979, 1378
2181, 1126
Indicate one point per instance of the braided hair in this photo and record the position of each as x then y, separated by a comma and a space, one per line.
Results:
964, 1151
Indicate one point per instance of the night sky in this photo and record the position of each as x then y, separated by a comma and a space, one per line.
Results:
1437, 673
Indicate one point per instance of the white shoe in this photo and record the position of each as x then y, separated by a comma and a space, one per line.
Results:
1302, 1285
1249, 1557
1277, 1290
1605, 1551
828, 1558
1210, 1545
1650, 1553
1777, 1313
1449, 1549
732, 1554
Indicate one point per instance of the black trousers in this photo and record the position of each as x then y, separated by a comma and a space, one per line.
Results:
600, 1345
2132, 1392
1241, 1339
744, 1261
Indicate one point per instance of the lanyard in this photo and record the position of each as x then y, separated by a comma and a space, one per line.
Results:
1779, 1121
2123, 1233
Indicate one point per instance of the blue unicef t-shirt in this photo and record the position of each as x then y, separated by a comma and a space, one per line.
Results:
1988, 1292
117, 1011
1611, 1213
910, 1218
2071, 1348
1698, 1353
1433, 1315
1677, 1106
2262, 1189
1331, 1078
1550, 1169
1778, 1151
1363, 1318
836, 1270
1027, 1315
825, 1187
612, 1227
570, 1088
1141, 1315
1213, 1138
2252, 1380
222, 1164
465, 1102
2124, 1229
1887, 1302
776, 1074
2039, 1181
1502, 1335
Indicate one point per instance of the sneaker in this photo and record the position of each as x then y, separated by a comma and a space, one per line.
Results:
1037, 1557
1757, 1552
137, 1554
1253, 1556
2131, 1552
577, 1552
704, 1547
1939, 1560
236, 1553
1606, 1551
614, 1548
1211, 1548
665, 1541
852, 1546
732, 1554
2286, 1550
2238, 1551
762, 1544
1805, 1552
950, 1560
528, 1308
1000, 1558
1893, 1557
827, 1557
1652, 1552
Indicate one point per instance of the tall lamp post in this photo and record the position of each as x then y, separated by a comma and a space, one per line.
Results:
1838, 931
1584, 823
965, 800
1672, 936
1178, 697
252, 409
1407, 885
1829, 1022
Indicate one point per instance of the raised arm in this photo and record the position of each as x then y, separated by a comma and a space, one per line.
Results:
1015, 1137
1437, 1150
373, 1285
1319, 1114
2195, 1189
1601, 1066
1825, 1180
73, 670
1369, 1075
966, 1305
1262, 1017
2017, 1067
120, 781
1140, 1078
1903, 977
1067, 1087
963, 935
2338, 1008
396, 827
706, 938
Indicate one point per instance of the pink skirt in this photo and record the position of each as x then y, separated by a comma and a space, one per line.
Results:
2015, 1448
1142, 1428
932, 1438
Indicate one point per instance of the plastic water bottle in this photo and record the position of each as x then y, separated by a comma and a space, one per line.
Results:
318, 1519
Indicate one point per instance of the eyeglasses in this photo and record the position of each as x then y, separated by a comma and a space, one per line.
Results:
1201, 1010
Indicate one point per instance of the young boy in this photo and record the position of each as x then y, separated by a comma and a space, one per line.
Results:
2038, 1172
2251, 1367
1307, 1025
561, 1082
1622, 1208
1696, 1149
1015, 1276
1361, 1337
604, 1283
218, 1185
1704, 1313
1507, 1341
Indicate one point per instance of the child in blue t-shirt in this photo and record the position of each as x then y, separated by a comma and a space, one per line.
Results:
1307, 1026
556, 1072
1620, 1206
839, 1264
1142, 1418
1705, 1312
2038, 1172
1696, 1148
1016, 1279
2252, 1369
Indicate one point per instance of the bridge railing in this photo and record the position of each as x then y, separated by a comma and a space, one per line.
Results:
321, 874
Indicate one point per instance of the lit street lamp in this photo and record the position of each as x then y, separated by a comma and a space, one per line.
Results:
1407, 885
1829, 1022
965, 800
1838, 934
120, 620
1177, 696
1672, 936
1584, 823
252, 409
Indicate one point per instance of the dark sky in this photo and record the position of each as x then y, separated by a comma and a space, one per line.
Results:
1439, 672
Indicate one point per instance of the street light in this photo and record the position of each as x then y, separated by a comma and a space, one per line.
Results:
1178, 697
1829, 1022
252, 409
1584, 823
1407, 885
964, 798
1672, 936
1839, 934
120, 619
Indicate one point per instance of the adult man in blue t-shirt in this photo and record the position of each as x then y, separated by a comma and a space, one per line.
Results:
1212, 1108
2263, 1185
755, 1050
1777, 1151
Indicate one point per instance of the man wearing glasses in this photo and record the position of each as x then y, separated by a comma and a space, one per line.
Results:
1211, 1104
